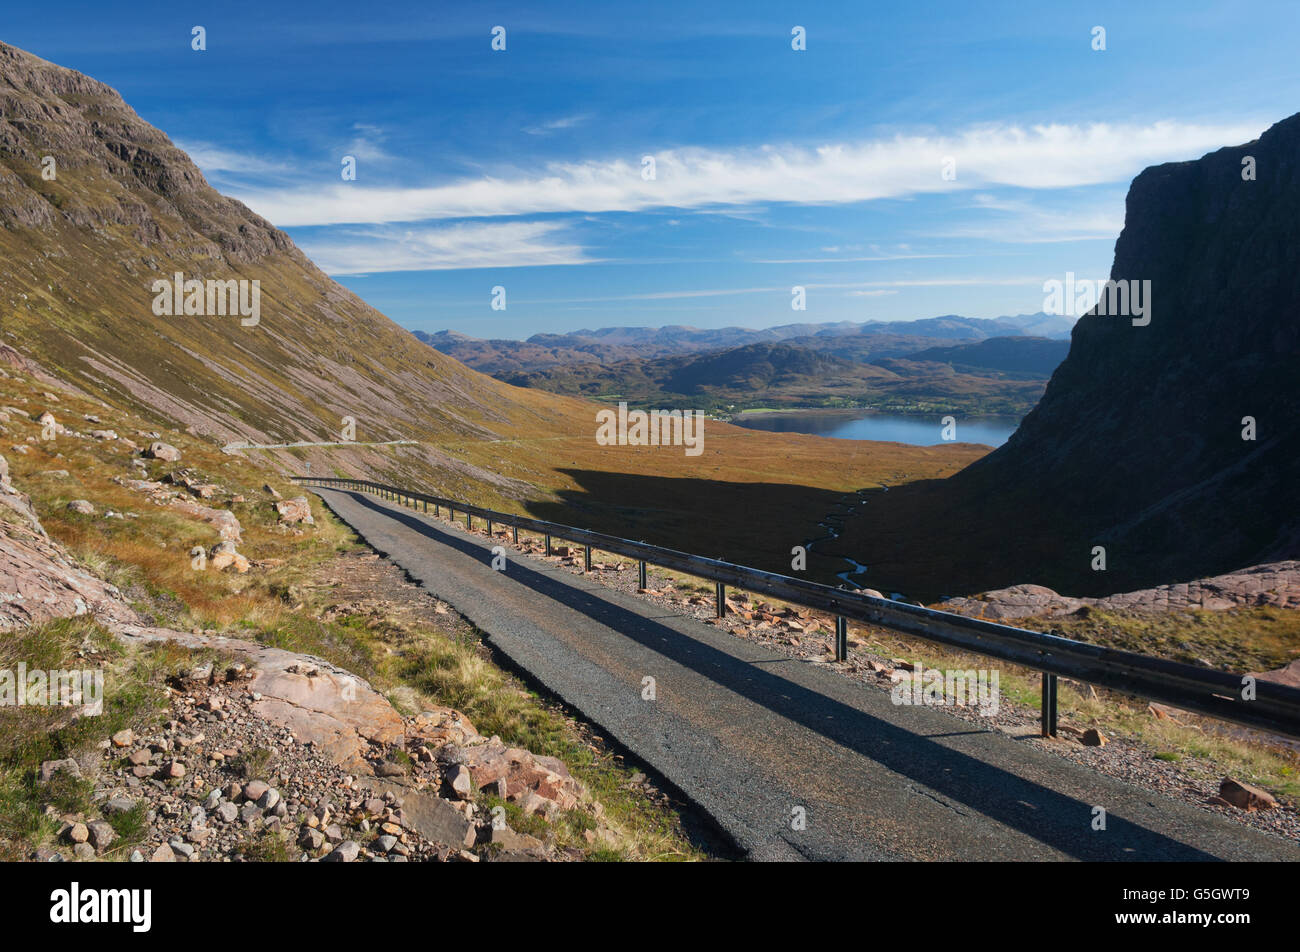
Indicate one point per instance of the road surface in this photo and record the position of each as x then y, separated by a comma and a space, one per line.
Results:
758, 740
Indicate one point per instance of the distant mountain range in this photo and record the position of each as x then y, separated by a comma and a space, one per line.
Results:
948, 363
857, 341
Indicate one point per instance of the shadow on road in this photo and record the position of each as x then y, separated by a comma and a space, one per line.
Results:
1057, 820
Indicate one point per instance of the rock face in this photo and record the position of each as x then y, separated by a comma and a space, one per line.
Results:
1139, 434
39, 584
1137, 444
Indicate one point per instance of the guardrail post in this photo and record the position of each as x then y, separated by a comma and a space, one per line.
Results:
720, 598
548, 545
1049, 705
586, 559
640, 575
436, 509
489, 528
426, 505
841, 638
469, 522
516, 528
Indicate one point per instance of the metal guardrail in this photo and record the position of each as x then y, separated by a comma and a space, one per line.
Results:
1220, 694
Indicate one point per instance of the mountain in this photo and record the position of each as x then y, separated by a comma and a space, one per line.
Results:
1140, 443
81, 252
1033, 357
786, 375
854, 341
85, 241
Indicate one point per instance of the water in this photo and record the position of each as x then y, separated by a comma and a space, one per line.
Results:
916, 430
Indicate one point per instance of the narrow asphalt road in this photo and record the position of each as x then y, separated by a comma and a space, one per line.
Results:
757, 739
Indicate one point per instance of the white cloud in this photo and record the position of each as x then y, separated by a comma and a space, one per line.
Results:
555, 125
466, 245
212, 159
1022, 222
855, 259
1041, 157
882, 287
366, 145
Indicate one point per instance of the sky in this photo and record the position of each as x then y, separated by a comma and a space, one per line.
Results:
911, 160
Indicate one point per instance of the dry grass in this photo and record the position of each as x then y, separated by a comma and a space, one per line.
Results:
277, 603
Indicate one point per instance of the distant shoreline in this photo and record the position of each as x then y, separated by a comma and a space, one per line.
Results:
864, 411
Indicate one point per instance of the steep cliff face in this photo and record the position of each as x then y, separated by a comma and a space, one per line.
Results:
1137, 444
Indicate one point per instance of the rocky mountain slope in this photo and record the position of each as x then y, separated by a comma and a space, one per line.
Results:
1143, 442
124, 208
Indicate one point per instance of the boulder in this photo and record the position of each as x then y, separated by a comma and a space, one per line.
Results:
345, 852
163, 451
1245, 797
296, 510
50, 767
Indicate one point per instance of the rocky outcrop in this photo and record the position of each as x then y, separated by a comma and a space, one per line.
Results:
1276, 584
296, 510
38, 583
336, 711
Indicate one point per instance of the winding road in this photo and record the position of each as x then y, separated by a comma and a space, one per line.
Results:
758, 740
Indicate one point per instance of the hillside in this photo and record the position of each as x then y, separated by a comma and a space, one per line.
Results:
79, 256
1139, 444
1032, 357
789, 375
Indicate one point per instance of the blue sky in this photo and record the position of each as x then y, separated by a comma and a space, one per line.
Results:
821, 168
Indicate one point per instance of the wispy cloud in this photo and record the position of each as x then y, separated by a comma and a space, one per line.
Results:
1040, 157
367, 143
1015, 221
214, 159
854, 259
465, 245
860, 288
556, 125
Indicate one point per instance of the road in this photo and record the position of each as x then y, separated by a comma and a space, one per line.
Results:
756, 739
